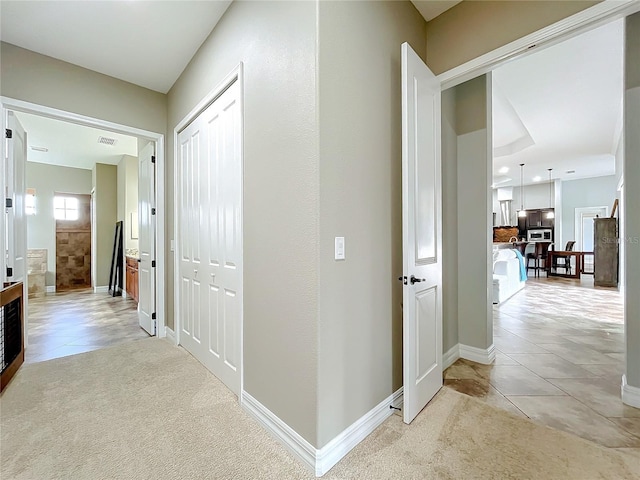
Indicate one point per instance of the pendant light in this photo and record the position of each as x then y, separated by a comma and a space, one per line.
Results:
550, 214
522, 212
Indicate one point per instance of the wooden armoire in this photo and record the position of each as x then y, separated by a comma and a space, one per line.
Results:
605, 252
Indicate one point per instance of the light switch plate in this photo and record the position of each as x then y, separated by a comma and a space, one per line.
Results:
340, 248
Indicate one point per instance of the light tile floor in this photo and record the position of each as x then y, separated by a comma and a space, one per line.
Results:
79, 321
560, 359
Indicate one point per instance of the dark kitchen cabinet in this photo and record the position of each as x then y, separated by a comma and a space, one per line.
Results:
536, 218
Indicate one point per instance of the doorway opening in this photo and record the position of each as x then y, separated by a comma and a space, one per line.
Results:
72, 214
559, 342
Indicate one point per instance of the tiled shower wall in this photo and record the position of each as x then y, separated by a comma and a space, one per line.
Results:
73, 248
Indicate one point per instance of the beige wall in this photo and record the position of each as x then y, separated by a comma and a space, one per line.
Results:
106, 213
449, 223
360, 324
130, 199
632, 198
35, 78
276, 41
473, 28
127, 196
41, 227
474, 216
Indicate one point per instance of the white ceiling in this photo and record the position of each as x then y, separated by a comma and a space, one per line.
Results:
148, 43
558, 108
71, 145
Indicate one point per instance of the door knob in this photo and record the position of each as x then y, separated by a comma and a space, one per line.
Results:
415, 280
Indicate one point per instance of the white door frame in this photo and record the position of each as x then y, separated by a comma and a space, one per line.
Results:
236, 75
579, 214
588, 19
7, 103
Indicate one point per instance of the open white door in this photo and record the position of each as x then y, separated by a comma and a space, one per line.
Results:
16, 221
421, 234
16, 214
146, 238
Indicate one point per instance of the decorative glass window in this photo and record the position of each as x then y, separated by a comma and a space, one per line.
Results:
30, 201
65, 208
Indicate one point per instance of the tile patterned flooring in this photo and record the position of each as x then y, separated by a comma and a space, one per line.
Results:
559, 361
67, 323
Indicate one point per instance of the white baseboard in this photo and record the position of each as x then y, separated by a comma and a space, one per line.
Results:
103, 289
485, 356
630, 394
50, 289
320, 461
450, 356
170, 335
287, 436
337, 448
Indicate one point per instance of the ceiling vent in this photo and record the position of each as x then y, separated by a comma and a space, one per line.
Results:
107, 141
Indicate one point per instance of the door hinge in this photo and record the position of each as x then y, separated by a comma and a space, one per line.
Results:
153, 211
153, 159
153, 316
9, 272
8, 133
153, 263
8, 203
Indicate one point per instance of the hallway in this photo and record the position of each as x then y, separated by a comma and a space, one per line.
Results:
559, 361
79, 321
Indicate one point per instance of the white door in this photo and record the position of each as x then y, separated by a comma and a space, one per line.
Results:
421, 234
16, 221
16, 214
146, 239
210, 237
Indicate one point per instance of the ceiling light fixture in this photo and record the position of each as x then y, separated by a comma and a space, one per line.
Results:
537, 178
39, 149
503, 170
522, 212
550, 213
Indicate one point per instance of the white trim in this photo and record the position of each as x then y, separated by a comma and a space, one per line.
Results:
43, 111
160, 293
208, 99
451, 356
50, 289
102, 289
287, 436
170, 335
337, 448
485, 356
630, 394
320, 461
564, 29
8, 103
236, 75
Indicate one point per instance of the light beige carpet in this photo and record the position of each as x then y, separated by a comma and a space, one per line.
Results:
148, 410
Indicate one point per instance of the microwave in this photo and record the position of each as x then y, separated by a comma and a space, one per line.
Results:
539, 235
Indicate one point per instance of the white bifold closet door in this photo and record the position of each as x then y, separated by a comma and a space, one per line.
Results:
209, 207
